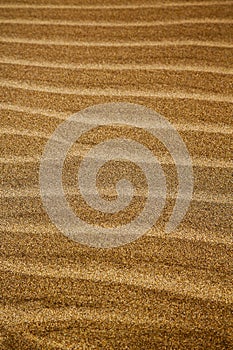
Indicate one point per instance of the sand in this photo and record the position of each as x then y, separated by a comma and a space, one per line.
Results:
162, 291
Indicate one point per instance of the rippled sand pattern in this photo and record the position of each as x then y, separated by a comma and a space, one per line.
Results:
162, 291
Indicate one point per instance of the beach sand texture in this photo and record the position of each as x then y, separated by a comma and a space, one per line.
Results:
163, 291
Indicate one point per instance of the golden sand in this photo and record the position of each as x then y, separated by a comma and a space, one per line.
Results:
162, 291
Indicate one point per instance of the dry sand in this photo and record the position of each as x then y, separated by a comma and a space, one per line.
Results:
162, 291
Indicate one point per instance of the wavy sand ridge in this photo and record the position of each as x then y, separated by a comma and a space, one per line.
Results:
162, 291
